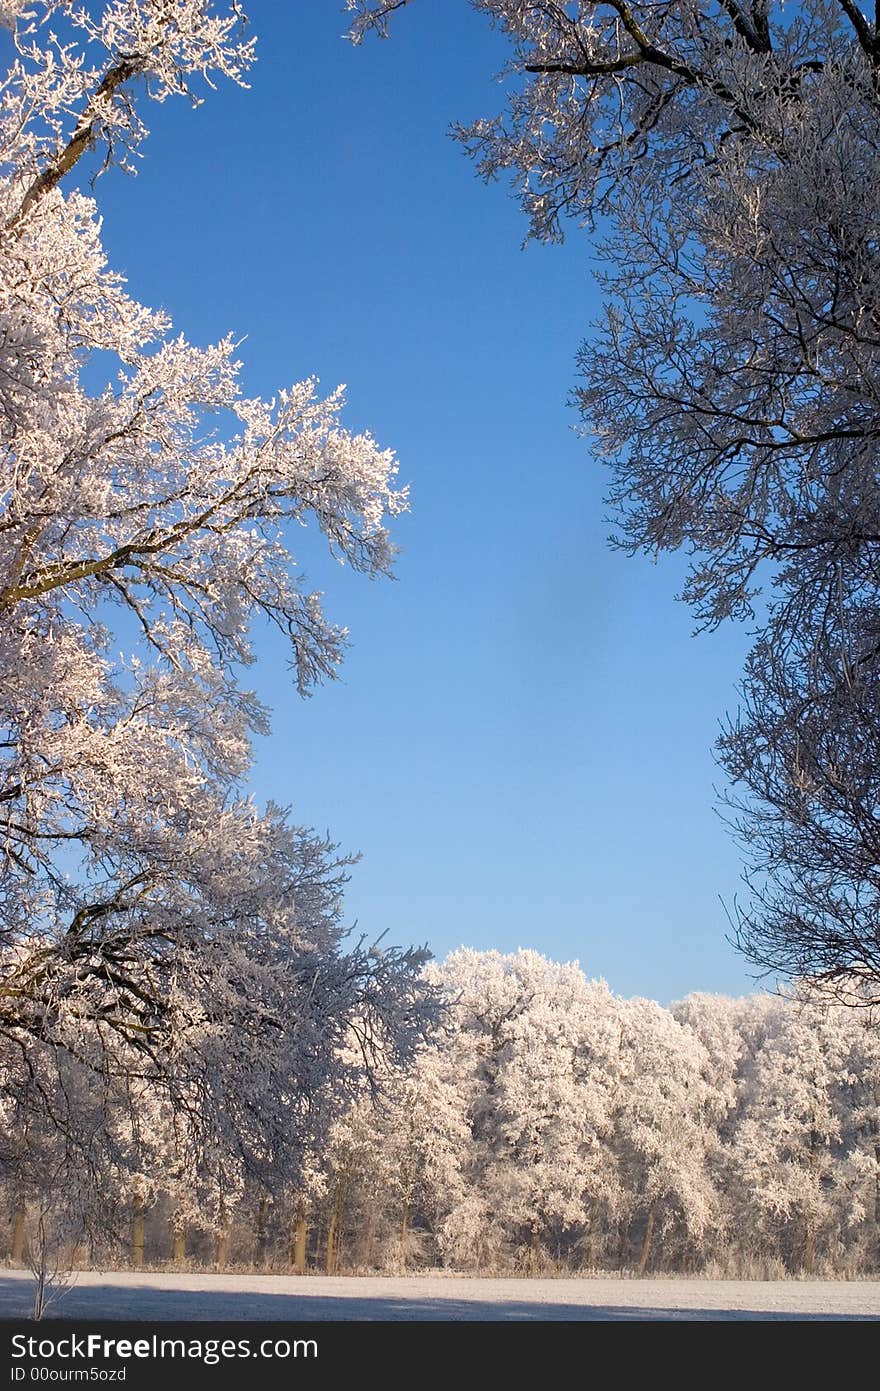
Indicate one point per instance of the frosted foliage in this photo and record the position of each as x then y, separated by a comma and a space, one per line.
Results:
10, 10
717, 1021
550, 1125
157, 927
786, 1147
585, 1110
530, 1030
664, 1120
860, 1125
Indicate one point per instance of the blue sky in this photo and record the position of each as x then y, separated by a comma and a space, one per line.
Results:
520, 743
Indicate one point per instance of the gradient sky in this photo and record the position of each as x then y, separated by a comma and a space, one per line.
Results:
520, 743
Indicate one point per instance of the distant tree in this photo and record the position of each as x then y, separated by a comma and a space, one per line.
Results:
665, 1118
158, 932
859, 1106
424, 1132
534, 1043
727, 157
787, 1174
548, 1167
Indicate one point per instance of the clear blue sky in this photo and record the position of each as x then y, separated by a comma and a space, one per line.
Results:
520, 741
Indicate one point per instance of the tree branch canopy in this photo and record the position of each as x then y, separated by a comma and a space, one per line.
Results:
163, 942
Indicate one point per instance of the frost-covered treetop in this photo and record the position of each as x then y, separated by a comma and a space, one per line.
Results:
154, 921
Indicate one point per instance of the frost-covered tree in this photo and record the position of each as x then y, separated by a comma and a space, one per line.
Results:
716, 1020
859, 1109
534, 1043
552, 1172
425, 1136
664, 1127
727, 158
787, 1174
393, 1168
803, 753
158, 931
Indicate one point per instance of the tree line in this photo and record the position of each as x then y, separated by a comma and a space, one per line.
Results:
548, 1126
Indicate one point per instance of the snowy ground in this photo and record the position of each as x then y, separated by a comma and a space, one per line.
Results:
171, 1296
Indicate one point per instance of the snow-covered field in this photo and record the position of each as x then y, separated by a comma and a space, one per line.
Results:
195, 1296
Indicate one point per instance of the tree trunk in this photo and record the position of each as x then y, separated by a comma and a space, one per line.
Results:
334, 1225
404, 1235
262, 1232
178, 1244
877, 1204
39, 1303
330, 1263
369, 1240
535, 1252
809, 1248
589, 1247
646, 1244
137, 1234
18, 1232
809, 1224
298, 1239
222, 1256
